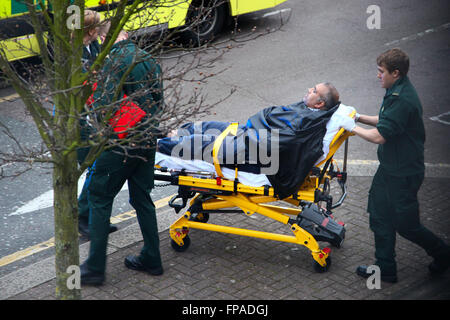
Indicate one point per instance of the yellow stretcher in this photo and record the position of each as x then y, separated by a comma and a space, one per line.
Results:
308, 221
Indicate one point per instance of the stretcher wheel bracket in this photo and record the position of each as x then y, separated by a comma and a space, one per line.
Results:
321, 269
183, 247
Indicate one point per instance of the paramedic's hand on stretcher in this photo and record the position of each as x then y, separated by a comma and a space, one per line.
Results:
348, 123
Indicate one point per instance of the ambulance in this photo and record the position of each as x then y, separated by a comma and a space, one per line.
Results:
18, 40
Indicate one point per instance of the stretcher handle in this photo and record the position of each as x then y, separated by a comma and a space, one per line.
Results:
343, 195
232, 128
177, 206
344, 168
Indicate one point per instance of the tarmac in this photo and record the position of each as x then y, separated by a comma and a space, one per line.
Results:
225, 267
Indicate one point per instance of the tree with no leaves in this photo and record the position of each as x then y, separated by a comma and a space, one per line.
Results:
59, 99
64, 85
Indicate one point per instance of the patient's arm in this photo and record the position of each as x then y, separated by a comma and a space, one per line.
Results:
370, 120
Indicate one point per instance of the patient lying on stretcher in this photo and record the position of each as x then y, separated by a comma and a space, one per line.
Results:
281, 142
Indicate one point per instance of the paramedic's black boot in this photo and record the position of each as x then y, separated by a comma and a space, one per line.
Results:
362, 272
134, 263
83, 228
91, 277
439, 265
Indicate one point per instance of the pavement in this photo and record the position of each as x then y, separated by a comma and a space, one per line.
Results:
220, 266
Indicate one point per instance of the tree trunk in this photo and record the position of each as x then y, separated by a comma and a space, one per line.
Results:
66, 227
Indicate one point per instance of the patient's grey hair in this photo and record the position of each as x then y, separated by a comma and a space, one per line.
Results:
331, 98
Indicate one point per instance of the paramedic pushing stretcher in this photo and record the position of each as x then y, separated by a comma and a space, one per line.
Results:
393, 205
113, 168
294, 133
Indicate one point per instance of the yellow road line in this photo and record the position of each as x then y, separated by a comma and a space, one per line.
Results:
51, 242
27, 252
10, 97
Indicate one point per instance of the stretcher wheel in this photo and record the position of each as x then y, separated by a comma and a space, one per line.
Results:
319, 269
200, 217
178, 248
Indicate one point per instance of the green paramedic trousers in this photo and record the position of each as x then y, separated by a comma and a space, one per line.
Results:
393, 207
107, 176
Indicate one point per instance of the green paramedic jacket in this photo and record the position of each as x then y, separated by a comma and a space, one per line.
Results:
401, 125
144, 82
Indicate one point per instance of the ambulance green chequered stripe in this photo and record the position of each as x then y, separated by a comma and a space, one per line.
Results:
18, 7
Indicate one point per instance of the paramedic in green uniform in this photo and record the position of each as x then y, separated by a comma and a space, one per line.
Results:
393, 205
114, 167
91, 49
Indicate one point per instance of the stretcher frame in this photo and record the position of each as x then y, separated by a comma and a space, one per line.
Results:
218, 195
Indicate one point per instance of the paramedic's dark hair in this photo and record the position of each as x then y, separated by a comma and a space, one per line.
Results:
394, 59
331, 98
91, 20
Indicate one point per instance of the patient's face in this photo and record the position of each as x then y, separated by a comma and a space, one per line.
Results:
312, 98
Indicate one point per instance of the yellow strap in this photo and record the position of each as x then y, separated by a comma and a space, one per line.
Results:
232, 128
